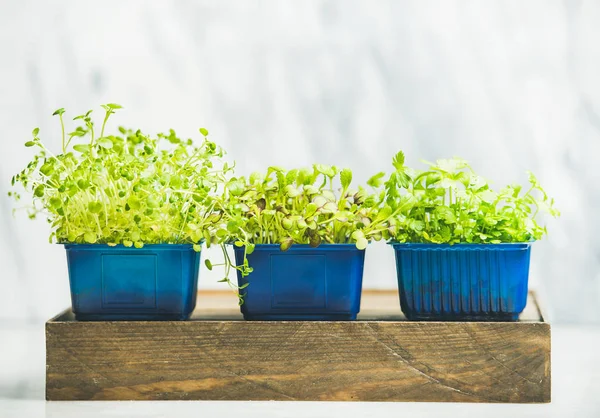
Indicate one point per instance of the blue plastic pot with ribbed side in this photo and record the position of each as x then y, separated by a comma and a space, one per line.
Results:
471, 282
156, 282
302, 283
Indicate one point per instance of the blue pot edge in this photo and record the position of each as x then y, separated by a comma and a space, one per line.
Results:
180, 247
301, 247
426, 245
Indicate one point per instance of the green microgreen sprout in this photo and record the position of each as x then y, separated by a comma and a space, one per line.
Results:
125, 188
311, 206
450, 203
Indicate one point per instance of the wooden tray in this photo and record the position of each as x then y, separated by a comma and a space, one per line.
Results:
380, 357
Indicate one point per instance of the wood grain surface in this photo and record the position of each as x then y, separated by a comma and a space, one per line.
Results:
380, 357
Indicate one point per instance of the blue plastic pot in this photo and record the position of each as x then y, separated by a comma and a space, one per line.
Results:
156, 282
302, 283
469, 282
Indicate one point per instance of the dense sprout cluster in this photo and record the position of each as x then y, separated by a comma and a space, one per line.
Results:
128, 188
450, 203
301, 206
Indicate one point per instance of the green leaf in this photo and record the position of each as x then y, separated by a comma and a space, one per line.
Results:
276, 169
235, 187
208, 264
451, 165
310, 190
82, 148
58, 111
310, 210
89, 237
291, 191
256, 177
304, 177
83, 184
447, 183
383, 214
105, 142
136, 236
287, 224
358, 234
114, 106
280, 179
134, 203
286, 244
342, 216
488, 196
55, 202
315, 241
345, 178
204, 132
415, 224
362, 243
402, 179
153, 202
79, 132
35, 132
477, 182
39, 190
29, 144
47, 168
291, 176
446, 214
329, 207
94, 207
319, 201
398, 160
376, 180
432, 178
327, 170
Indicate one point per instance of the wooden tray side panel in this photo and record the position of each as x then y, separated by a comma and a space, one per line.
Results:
345, 361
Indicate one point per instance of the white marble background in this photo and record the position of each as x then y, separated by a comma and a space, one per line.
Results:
509, 85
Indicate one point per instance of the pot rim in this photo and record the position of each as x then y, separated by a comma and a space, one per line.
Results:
69, 245
322, 246
459, 244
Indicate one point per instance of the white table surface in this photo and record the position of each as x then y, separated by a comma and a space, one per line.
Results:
575, 388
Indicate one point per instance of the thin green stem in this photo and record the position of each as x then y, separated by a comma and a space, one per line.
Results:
104, 123
62, 126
